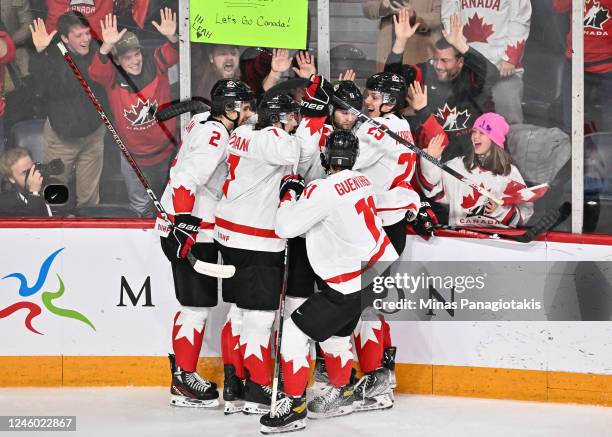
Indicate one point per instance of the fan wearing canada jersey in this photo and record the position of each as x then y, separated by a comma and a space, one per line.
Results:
343, 232
487, 165
258, 157
197, 176
498, 29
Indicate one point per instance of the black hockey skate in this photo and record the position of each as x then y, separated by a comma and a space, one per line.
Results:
190, 390
257, 398
389, 363
233, 391
290, 415
334, 401
373, 391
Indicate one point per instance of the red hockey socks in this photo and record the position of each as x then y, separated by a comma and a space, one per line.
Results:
295, 354
369, 342
187, 336
255, 344
338, 356
230, 340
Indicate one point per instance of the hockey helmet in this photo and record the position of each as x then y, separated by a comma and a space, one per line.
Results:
392, 87
347, 91
227, 95
275, 110
341, 150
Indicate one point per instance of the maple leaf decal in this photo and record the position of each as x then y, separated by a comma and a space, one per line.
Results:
471, 201
595, 15
476, 30
515, 53
183, 200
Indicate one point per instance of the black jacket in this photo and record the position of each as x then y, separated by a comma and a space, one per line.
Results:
12, 204
69, 110
456, 104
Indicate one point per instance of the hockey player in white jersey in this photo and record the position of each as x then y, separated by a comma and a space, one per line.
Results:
487, 165
244, 229
343, 233
196, 178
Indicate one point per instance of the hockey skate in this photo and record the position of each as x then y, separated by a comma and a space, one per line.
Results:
320, 372
233, 391
190, 390
389, 363
373, 391
290, 415
257, 398
335, 401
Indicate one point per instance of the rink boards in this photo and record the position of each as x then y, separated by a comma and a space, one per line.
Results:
91, 302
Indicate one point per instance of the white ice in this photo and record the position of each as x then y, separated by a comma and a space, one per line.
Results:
135, 412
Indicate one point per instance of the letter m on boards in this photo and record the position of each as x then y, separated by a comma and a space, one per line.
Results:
127, 290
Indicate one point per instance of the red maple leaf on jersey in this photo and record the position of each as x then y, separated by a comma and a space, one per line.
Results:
470, 201
476, 30
183, 200
515, 53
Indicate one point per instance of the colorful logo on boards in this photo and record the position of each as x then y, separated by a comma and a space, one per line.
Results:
48, 297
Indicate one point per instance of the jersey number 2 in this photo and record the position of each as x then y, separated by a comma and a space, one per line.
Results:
216, 136
368, 209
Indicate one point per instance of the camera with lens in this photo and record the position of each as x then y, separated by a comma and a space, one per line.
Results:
52, 168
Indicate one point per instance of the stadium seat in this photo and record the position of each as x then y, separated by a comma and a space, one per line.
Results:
29, 134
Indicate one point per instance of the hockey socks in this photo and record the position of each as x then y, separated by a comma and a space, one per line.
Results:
230, 341
370, 341
295, 353
338, 356
255, 344
187, 336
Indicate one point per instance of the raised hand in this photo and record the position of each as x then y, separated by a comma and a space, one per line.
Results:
306, 65
40, 37
348, 75
455, 36
281, 61
167, 24
435, 146
417, 96
401, 26
110, 33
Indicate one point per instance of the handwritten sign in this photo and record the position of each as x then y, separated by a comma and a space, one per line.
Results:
257, 23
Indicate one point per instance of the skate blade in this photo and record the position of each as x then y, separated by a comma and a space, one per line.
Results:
182, 401
252, 408
293, 426
342, 411
231, 407
380, 402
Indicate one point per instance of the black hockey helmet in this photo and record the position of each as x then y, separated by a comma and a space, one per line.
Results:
392, 86
341, 150
347, 91
275, 110
228, 94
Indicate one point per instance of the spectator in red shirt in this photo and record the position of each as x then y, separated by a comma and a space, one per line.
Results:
7, 53
137, 85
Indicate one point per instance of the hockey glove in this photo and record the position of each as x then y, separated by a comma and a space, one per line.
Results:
183, 234
293, 182
317, 98
424, 222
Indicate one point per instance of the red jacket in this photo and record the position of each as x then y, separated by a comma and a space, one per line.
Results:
94, 10
10, 55
147, 139
597, 34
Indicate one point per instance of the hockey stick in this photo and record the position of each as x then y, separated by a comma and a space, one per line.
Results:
547, 222
195, 106
210, 269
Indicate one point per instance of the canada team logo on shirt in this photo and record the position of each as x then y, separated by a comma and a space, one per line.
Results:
595, 15
142, 113
451, 119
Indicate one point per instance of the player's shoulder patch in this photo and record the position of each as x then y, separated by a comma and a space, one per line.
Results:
311, 187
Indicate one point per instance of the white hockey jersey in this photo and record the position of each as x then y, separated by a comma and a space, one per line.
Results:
338, 215
496, 28
257, 162
197, 175
390, 166
466, 205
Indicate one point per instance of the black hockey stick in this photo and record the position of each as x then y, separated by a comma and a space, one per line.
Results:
195, 106
279, 331
550, 219
210, 269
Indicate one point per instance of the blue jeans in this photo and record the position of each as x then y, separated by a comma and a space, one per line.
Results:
156, 175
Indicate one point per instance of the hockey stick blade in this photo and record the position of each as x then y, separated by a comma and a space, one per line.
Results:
195, 106
222, 271
546, 223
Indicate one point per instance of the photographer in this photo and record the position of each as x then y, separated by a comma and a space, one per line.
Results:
25, 197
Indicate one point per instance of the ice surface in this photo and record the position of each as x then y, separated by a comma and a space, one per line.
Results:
133, 412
